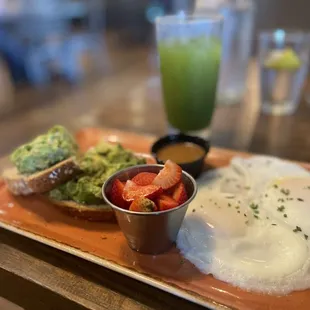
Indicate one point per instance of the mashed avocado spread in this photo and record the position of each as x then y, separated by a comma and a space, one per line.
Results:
44, 151
97, 165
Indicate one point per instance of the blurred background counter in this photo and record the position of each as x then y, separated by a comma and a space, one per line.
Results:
93, 63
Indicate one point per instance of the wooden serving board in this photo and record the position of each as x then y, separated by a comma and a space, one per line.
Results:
104, 244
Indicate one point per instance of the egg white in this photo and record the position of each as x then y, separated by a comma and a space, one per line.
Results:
259, 171
233, 230
288, 200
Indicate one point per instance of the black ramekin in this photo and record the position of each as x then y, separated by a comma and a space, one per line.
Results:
195, 167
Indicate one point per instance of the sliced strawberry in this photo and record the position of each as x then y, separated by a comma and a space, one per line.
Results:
143, 204
179, 193
133, 191
144, 178
116, 194
169, 176
165, 202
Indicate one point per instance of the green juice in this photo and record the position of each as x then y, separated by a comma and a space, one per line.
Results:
189, 73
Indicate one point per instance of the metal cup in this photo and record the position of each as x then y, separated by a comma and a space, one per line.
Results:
149, 232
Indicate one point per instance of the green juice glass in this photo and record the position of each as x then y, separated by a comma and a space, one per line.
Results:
189, 50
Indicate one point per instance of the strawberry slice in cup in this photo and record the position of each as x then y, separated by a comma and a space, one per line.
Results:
169, 176
144, 178
154, 212
133, 191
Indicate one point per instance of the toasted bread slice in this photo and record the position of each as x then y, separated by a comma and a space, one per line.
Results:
94, 213
43, 181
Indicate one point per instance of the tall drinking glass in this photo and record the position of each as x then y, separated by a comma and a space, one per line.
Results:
283, 63
190, 54
237, 42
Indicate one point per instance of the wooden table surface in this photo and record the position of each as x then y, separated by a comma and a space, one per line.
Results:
126, 97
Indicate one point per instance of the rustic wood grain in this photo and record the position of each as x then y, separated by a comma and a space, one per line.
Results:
38, 275
8, 305
286, 136
129, 99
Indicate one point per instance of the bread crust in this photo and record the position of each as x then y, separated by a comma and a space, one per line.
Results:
43, 181
94, 213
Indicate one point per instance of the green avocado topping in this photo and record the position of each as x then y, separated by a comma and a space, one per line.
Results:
44, 151
97, 165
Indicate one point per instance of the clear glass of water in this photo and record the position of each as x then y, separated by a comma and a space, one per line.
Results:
283, 64
237, 43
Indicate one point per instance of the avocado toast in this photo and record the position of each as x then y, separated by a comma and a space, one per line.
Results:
42, 164
81, 197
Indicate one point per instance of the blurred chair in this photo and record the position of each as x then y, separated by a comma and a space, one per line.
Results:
52, 46
13, 52
6, 89
77, 56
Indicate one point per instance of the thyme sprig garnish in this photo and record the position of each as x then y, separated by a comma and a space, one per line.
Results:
285, 192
